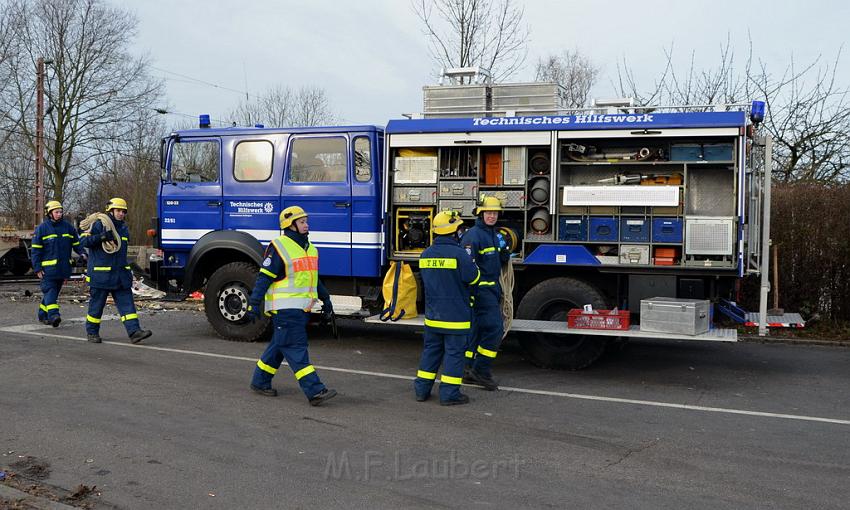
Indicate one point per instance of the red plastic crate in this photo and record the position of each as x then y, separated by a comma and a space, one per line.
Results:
600, 319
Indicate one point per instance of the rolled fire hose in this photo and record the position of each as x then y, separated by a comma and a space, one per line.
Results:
506, 280
108, 246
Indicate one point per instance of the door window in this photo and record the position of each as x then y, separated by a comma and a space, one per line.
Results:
195, 161
362, 159
253, 161
318, 160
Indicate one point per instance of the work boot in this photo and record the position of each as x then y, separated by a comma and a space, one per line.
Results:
485, 381
95, 338
55, 321
422, 397
322, 396
140, 335
460, 400
46, 322
266, 392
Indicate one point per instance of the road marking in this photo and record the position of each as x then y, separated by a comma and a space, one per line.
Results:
39, 330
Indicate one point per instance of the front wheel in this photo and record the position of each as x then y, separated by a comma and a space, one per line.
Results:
550, 300
226, 303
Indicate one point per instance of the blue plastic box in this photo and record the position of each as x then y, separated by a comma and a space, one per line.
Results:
667, 230
634, 230
603, 229
686, 152
701, 152
717, 152
572, 228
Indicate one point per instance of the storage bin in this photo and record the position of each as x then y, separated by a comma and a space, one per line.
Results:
634, 254
572, 228
598, 319
675, 315
634, 230
666, 230
458, 189
686, 152
717, 152
462, 207
414, 195
603, 229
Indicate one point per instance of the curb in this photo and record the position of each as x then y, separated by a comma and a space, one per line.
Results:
792, 341
20, 497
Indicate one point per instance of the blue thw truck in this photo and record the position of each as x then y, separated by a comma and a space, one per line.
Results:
605, 207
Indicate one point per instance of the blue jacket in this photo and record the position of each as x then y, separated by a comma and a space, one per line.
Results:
274, 269
447, 273
483, 245
107, 270
51, 248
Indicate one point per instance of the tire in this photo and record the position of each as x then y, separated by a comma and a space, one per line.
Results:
226, 303
551, 300
20, 263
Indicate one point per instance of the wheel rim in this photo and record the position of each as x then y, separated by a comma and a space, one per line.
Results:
233, 301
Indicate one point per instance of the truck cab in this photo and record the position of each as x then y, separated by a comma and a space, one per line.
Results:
221, 193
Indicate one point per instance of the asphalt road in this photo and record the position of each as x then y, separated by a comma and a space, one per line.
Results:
172, 424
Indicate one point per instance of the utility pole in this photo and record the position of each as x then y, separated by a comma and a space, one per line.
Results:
39, 142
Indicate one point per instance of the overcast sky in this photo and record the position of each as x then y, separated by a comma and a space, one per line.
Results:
372, 57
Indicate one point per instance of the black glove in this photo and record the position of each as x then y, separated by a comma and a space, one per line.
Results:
255, 311
327, 310
107, 236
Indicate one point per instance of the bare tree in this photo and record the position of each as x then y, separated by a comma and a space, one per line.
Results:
722, 84
808, 112
95, 87
285, 106
575, 72
130, 170
485, 33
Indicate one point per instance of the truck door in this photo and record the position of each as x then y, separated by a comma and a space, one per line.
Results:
366, 224
191, 194
318, 178
252, 173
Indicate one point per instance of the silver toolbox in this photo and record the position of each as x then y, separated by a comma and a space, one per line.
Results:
464, 207
675, 315
509, 198
634, 254
458, 189
415, 170
414, 195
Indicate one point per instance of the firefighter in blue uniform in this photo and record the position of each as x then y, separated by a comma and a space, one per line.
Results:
489, 251
287, 287
51, 259
110, 273
448, 275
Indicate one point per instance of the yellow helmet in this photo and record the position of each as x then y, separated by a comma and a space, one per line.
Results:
116, 203
489, 204
290, 214
446, 222
52, 206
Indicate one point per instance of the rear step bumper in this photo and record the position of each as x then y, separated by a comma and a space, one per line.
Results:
560, 328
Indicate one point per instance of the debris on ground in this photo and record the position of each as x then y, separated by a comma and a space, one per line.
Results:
32, 467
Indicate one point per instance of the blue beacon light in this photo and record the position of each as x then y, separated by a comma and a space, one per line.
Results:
757, 112
204, 120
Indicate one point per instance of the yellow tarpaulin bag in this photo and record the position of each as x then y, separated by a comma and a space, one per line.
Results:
399, 292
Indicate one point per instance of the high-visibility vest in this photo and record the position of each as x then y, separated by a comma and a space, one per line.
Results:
299, 288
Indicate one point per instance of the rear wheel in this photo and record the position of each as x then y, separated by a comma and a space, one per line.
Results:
550, 300
226, 303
